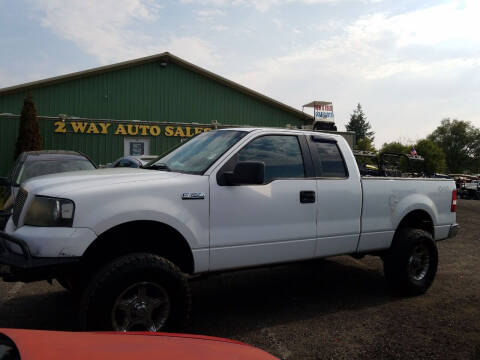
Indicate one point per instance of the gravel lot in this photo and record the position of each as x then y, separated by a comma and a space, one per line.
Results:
331, 309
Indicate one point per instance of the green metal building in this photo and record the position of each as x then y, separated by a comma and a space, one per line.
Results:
144, 105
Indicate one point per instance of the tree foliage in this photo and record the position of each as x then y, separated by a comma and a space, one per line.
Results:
454, 147
475, 163
395, 147
399, 148
460, 142
365, 144
29, 138
433, 155
358, 123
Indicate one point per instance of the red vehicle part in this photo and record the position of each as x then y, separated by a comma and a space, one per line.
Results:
453, 207
53, 345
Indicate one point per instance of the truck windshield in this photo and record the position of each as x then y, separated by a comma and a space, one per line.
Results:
196, 155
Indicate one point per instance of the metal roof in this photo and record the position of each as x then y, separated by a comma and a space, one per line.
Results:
166, 57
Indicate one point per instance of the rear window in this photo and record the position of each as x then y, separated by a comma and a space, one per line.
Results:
329, 160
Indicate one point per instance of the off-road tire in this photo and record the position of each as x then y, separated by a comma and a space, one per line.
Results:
396, 262
100, 295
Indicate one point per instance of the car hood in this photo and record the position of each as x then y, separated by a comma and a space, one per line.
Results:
63, 183
53, 345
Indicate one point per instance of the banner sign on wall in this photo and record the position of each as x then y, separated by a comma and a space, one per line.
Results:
92, 127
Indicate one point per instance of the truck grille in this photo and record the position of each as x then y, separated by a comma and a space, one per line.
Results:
18, 207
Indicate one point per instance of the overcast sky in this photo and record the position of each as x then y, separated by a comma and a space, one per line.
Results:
410, 63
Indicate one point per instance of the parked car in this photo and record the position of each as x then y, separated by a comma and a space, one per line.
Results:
127, 239
36, 163
132, 161
52, 345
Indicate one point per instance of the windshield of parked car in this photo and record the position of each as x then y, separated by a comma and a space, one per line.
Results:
198, 154
33, 168
8, 350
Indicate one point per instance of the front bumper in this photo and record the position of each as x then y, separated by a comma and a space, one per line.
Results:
25, 267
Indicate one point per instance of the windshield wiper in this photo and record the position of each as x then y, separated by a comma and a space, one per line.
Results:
159, 166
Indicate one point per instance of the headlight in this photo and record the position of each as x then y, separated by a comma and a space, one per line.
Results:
47, 211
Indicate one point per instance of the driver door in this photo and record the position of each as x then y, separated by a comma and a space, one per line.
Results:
268, 223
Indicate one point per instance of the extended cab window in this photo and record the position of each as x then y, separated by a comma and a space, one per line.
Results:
329, 161
281, 154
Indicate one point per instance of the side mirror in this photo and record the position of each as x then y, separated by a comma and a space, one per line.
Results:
246, 173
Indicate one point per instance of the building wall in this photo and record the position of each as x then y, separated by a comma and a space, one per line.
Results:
150, 92
101, 148
146, 92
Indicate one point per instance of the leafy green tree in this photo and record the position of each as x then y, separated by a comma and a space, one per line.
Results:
29, 138
458, 139
358, 123
400, 163
395, 147
433, 154
474, 166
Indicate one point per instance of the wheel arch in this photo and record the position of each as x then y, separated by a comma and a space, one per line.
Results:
139, 236
417, 219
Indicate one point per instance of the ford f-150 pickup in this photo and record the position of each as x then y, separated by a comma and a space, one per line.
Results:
127, 240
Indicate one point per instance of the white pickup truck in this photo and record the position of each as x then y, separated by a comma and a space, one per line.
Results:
127, 240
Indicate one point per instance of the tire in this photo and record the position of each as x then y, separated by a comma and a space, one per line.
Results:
411, 263
136, 292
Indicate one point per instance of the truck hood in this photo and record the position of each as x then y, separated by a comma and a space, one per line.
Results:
63, 183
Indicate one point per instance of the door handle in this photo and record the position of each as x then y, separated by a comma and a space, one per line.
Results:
307, 197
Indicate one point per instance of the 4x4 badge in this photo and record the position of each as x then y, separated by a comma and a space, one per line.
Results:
193, 196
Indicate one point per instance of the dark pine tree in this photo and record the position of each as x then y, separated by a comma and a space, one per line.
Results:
29, 138
359, 124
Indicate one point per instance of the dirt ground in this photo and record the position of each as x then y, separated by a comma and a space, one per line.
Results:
338, 308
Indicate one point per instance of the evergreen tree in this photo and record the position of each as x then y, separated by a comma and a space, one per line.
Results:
29, 138
365, 144
359, 124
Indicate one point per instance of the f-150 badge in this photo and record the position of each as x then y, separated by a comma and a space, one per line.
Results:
193, 196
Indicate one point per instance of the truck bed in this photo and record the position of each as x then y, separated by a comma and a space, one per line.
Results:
386, 200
